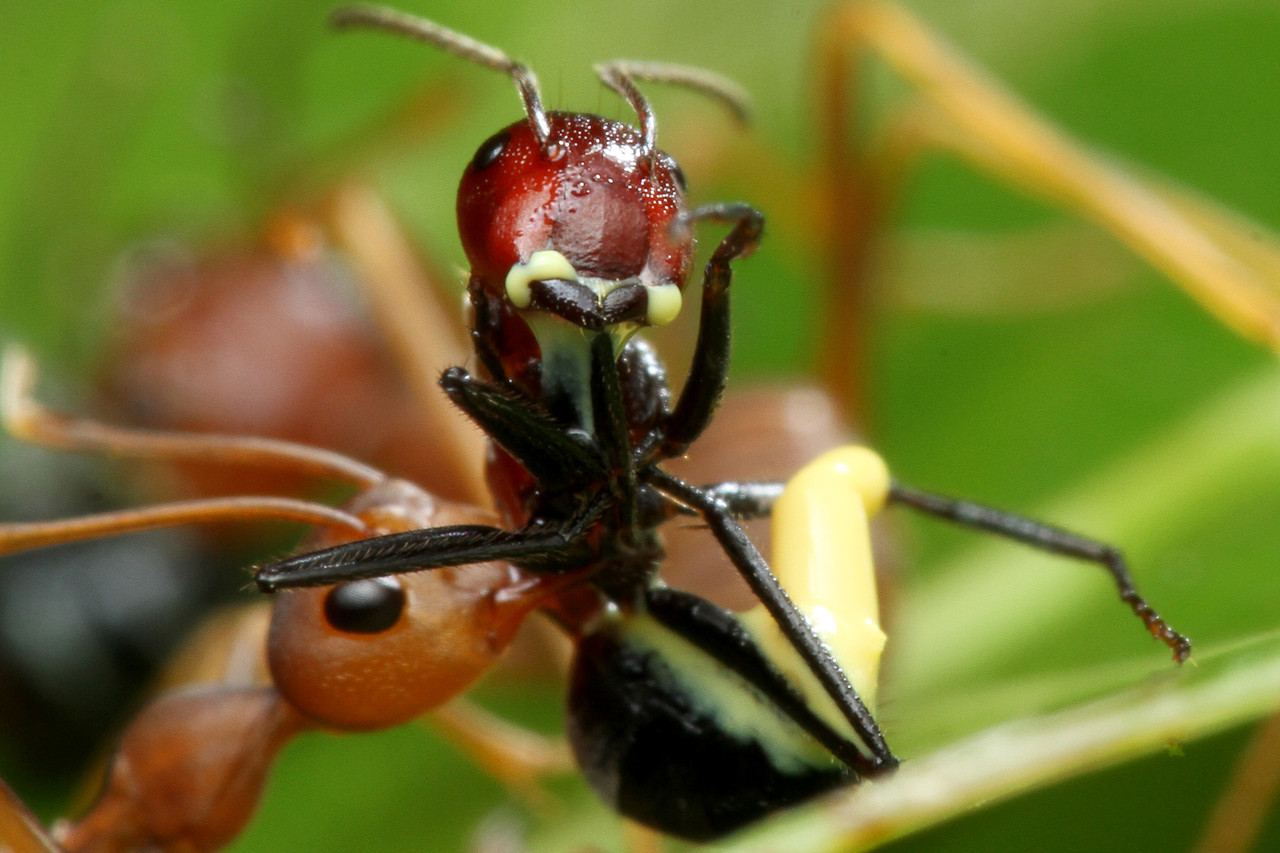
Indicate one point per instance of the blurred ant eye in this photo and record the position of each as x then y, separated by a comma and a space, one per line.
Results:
490, 150
368, 606
678, 174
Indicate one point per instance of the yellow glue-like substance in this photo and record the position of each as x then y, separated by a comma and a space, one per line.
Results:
822, 557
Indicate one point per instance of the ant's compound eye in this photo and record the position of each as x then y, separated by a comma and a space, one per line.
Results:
490, 150
368, 606
678, 174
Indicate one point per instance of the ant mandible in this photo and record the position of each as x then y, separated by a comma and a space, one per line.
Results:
578, 235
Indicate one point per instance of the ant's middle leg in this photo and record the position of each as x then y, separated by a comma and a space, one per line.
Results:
872, 755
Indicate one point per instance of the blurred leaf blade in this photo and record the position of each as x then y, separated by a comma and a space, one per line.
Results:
1231, 687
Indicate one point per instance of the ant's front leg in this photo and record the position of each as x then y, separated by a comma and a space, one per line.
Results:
540, 443
710, 367
538, 547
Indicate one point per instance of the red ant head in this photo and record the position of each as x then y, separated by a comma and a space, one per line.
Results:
570, 215
592, 205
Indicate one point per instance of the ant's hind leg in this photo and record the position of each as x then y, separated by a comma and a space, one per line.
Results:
1052, 539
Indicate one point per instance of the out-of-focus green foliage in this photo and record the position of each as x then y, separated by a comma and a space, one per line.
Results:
1091, 393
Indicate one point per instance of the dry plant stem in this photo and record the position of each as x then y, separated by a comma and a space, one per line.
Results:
853, 198
977, 118
422, 334
1244, 239
1245, 804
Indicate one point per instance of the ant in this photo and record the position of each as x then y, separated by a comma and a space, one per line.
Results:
579, 236
189, 769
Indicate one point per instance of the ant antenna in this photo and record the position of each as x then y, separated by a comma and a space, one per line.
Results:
420, 29
621, 77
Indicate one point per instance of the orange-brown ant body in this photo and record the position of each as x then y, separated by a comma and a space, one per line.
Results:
189, 770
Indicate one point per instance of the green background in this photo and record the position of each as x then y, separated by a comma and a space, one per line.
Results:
127, 120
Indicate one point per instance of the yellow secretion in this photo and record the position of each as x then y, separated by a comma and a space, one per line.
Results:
542, 266
665, 301
822, 557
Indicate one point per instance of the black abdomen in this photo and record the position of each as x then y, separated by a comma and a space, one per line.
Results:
671, 738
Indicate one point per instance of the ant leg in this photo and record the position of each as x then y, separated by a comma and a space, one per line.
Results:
1047, 538
872, 754
515, 756
1213, 256
723, 637
710, 367
765, 434
536, 547
744, 501
26, 419
20, 831
484, 331
538, 442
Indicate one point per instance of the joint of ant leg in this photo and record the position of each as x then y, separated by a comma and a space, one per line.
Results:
1115, 562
